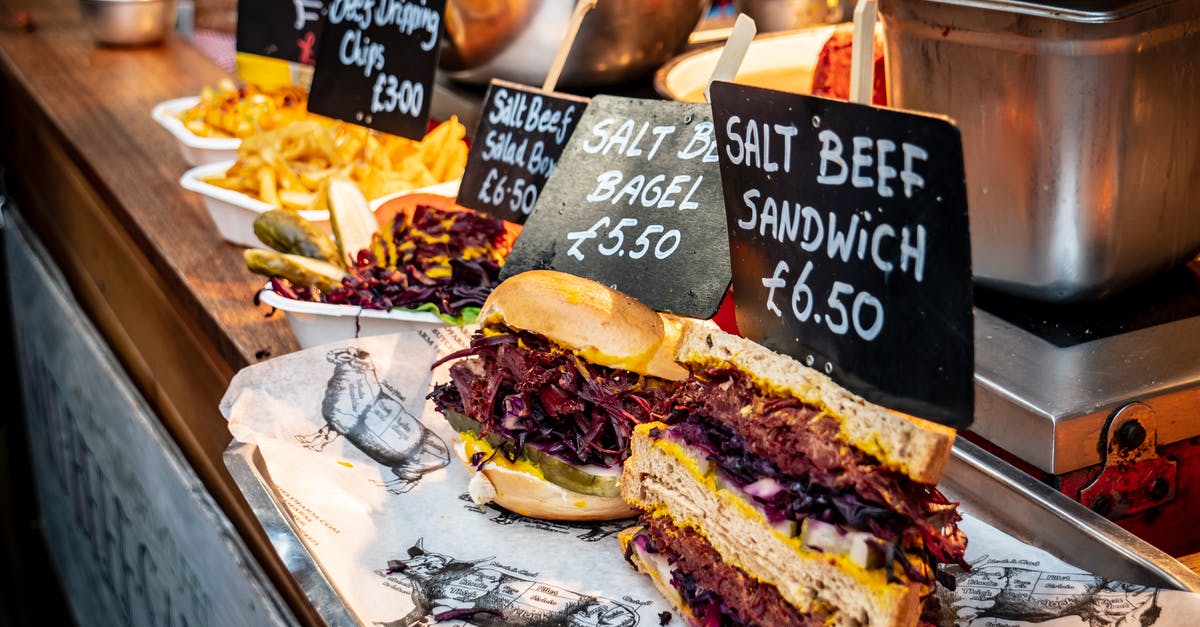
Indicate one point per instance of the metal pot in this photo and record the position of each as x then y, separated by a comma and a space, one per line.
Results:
128, 22
516, 40
1079, 130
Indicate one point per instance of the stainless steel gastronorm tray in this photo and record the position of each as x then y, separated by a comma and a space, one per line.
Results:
987, 487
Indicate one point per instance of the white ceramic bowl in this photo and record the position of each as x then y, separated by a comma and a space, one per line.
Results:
793, 52
320, 323
196, 150
234, 212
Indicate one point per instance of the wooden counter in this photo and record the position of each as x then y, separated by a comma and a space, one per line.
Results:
98, 180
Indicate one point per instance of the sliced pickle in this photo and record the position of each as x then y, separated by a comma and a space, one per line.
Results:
461, 422
574, 478
555, 470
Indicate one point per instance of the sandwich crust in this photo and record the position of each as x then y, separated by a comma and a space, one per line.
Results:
530, 495
658, 480
914, 447
602, 325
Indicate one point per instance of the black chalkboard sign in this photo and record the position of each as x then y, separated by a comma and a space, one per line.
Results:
282, 29
850, 244
376, 64
522, 132
635, 203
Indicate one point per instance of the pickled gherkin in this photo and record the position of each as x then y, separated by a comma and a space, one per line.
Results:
574, 478
288, 232
297, 269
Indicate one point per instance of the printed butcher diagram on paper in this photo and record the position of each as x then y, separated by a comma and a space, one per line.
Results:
370, 414
481, 592
1007, 590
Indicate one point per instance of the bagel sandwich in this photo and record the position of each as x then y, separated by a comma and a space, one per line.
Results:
770, 495
545, 397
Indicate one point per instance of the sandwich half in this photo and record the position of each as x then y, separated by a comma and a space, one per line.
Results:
545, 398
772, 496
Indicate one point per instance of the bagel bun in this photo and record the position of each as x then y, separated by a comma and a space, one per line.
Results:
601, 325
528, 494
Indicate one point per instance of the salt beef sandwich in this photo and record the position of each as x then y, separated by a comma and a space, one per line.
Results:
772, 496
546, 396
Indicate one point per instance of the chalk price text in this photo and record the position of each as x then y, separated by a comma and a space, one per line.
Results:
654, 238
391, 94
522, 195
865, 313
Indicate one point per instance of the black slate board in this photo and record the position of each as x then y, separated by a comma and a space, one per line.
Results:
376, 67
856, 216
668, 249
522, 132
281, 29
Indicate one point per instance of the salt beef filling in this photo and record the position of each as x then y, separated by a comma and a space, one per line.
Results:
786, 455
716, 593
533, 392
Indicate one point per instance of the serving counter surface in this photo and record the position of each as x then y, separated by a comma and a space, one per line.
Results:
97, 180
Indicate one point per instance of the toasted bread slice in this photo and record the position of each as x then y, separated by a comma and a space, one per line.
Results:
916, 448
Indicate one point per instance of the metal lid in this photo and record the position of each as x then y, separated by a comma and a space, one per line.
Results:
1086, 11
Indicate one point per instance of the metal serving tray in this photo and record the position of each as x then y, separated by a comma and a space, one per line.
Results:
987, 488
1079, 130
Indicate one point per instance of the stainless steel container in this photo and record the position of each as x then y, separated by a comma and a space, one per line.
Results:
1080, 124
128, 22
517, 40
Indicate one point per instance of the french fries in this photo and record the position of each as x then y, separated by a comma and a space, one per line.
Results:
289, 167
226, 110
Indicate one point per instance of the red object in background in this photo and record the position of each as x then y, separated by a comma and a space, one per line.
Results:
725, 318
831, 76
1171, 526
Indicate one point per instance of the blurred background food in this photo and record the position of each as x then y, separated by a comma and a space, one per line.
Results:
230, 110
810, 60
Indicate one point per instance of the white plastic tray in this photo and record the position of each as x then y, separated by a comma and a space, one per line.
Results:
196, 150
234, 212
320, 323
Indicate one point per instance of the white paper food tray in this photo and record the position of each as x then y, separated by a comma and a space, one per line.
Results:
196, 150
320, 323
234, 212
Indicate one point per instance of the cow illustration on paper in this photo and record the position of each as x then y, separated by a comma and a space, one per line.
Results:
480, 592
1001, 590
370, 414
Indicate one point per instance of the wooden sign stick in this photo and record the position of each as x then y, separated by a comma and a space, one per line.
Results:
862, 54
734, 51
564, 49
